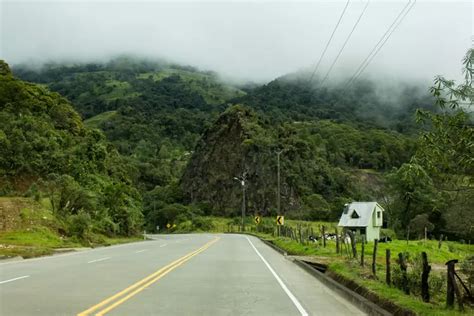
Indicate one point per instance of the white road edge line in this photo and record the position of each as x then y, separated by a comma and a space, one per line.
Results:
97, 260
11, 280
163, 245
295, 301
138, 251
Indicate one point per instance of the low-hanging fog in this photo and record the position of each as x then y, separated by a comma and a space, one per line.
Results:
257, 40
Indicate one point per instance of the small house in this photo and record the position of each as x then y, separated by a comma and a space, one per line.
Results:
365, 218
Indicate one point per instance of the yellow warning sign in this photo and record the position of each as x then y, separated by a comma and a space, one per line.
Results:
257, 219
168, 225
280, 220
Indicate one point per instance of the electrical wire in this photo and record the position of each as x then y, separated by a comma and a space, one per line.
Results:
376, 49
378, 43
344, 45
329, 41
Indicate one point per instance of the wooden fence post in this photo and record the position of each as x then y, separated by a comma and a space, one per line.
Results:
337, 242
388, 272
403, 267
374, 258
440, 241
452, 286
299, 232
324, 236
353, 244
362, 251
425, 290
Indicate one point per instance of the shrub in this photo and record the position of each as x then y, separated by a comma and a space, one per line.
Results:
106, 226
202, 223
467, 268
79, 225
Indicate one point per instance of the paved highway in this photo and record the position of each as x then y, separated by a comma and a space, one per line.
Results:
196, 274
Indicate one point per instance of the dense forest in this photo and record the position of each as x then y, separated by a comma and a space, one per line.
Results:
164, 143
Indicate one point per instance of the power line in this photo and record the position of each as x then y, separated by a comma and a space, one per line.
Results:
378, 43
329, 41
376, 49
344, 45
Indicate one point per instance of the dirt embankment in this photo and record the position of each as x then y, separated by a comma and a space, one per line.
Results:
10, 212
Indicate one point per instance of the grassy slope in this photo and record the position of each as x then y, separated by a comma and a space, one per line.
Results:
33, 230
204, 84
94, 122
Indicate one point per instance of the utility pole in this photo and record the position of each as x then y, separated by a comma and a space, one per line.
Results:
278, 186
242, 181
278, 180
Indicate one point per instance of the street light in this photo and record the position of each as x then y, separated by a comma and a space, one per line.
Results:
242, 183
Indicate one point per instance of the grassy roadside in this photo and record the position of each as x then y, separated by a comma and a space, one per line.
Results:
31, 230
341, 265
41, 241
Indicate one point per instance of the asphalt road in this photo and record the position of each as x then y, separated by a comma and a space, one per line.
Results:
196, 274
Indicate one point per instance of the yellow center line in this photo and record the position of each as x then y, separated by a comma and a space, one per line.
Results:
145, 282
138, 290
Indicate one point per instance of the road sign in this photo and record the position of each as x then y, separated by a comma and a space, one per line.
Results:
280, 220
168, 225
257, 219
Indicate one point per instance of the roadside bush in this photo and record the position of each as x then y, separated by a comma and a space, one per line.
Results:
467, 268
79, 225
106, 226
436, 282
202, 223
388, 232
33, 192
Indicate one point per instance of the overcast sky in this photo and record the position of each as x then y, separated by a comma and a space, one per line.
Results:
257, 40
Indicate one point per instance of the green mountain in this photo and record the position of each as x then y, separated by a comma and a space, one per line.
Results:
322, 164
98, 87
182, 135
153, 112
365, 103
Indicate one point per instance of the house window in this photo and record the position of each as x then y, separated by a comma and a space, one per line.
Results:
378, 214
354, 214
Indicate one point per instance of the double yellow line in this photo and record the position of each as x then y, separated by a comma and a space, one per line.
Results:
115, 300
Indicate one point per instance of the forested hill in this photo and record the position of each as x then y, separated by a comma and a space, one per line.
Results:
153, 112
98, 87
182, 135
376, 104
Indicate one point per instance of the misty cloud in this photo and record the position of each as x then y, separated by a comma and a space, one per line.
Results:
243, 40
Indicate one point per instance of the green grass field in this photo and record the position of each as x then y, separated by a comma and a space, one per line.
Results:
206, 85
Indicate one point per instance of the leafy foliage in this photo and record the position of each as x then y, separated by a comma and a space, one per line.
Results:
439, 177
43, 139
